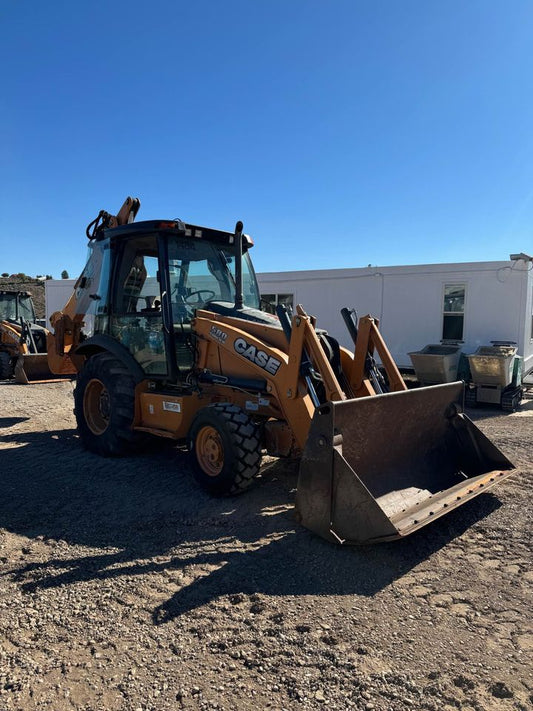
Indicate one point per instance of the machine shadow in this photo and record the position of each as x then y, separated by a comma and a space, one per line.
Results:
303, 564
6, 422
148, 516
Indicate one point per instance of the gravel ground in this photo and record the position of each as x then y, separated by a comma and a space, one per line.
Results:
124, 587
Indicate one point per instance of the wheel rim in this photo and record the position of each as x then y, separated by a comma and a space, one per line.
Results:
96, 406
210, 451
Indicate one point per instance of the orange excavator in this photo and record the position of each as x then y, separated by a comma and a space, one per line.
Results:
167, 336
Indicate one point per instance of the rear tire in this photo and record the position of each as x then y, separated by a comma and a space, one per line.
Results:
6, 366
226, 449
104, 405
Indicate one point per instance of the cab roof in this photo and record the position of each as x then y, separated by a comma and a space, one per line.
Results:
207, 234
14, 292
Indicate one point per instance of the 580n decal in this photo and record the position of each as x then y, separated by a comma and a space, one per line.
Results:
260, 358
218, 335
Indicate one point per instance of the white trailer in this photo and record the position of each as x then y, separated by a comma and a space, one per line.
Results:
472, 303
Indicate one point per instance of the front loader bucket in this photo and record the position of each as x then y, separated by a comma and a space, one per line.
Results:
380, 467
32, 367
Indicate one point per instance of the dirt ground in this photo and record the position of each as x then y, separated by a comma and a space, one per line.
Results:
124, 587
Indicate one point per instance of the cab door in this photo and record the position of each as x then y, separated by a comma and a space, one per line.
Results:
136, 319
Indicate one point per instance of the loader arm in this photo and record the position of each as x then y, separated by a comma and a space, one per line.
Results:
369, 339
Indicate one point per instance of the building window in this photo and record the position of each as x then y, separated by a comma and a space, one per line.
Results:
453, 312
270, 301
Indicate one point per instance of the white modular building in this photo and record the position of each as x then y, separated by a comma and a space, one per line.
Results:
470, 303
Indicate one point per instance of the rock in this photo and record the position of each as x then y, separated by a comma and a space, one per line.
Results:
441, 600
500, 690
525, 642
463, 682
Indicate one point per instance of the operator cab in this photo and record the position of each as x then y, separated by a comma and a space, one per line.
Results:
16, 305
159, 274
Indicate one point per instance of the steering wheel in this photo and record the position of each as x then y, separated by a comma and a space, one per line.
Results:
197, 294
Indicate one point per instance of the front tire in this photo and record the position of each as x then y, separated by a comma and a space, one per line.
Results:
104, 406
226, 449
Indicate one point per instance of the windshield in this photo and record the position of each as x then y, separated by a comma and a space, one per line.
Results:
203, 271
13, 308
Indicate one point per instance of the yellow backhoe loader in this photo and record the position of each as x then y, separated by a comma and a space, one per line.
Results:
165, 331
22, 340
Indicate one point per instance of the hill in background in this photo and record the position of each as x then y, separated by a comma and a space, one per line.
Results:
34, 286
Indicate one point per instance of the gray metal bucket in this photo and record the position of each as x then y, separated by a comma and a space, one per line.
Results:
380, 467
32, 367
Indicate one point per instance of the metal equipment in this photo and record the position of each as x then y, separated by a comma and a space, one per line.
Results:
436, 363
496, 376
165, 331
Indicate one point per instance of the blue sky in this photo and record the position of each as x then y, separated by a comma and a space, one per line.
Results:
341, 132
